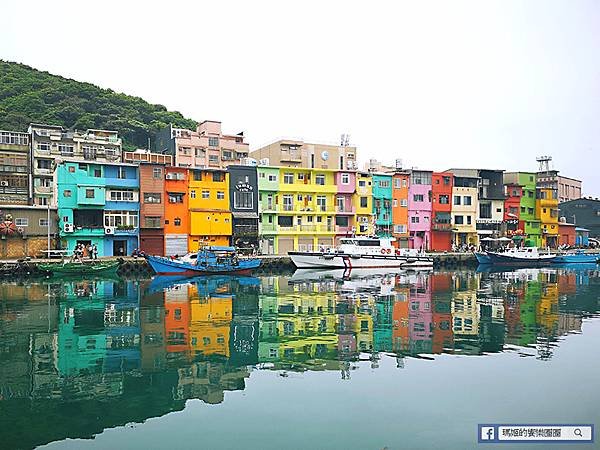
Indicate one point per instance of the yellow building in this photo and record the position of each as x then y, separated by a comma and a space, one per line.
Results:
465, 206
546, 205
210, 214
363, 203
210, 322
305, 206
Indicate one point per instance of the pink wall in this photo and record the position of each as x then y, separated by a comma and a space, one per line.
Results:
419, 209
345, 188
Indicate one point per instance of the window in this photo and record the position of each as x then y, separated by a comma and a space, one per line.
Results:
467, 200
468, 220
177, 221
362, 183
43, 222
227, 155
530, 211
121, 173
345, 178
21, 222
404, 202
97, 173
152, 197
121, 219
364, 201
444, 199
414, 219
66, 150
384, 184
193, 193
67, 193
122, 196
213, 141
43, 147
288, 202
300, 177
199, 151
447, 181
457, 199
309, 219
89, 193
322, 202
157, 173
205, 194
530, 194
152, 222
220, 195
459, 220
399, 228
186, 151
320, 179
89, 152
175, 197
243, 200
288, 178
523, 209
44, 164
285, 221
213, 159
341, 221
395, 203
418, 197
272, 177
218, 177
485, 211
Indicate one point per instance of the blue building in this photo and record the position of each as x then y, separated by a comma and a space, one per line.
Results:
98, 203
382, 203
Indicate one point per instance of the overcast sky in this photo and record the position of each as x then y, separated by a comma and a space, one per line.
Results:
438, 84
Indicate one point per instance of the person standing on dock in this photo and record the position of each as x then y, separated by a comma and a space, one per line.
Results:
95, 252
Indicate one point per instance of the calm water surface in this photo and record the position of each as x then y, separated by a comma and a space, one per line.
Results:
309, 360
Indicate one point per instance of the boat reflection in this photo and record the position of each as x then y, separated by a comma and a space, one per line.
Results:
148, 346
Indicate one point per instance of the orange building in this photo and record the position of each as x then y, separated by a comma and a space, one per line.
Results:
400, 181
441, 206
177, 215
177, 321
400, 331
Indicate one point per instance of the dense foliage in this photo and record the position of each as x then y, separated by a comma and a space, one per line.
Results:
29, 95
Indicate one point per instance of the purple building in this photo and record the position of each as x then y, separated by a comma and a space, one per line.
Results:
344, 207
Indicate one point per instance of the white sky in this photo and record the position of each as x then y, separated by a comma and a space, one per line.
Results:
439, 84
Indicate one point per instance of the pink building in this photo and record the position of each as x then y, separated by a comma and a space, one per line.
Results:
344, 206
420, 314
419, 209
205, 147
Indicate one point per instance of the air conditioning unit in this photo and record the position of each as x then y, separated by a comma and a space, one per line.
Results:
171, 176
248, 162
109, 230
68, 227
3, 183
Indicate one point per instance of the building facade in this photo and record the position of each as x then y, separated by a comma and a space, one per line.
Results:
177, 213
363, 203
546, 205
584, 212
152, 208
345, 210
206, 147
382, 203
419, 209
400, 181
15, 186
513, 192
98, 204
297, 153
465, 208
567, 188
51, 144
529, 222
25, 230
209, 208
441, 206
243, 198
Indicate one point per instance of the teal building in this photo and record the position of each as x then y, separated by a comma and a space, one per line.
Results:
382, 204
98, 203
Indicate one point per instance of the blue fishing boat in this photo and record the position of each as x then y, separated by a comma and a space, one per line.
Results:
210, 260
482, 258
578, 256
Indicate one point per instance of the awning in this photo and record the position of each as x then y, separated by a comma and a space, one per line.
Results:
518, 238
485, 231
244, 215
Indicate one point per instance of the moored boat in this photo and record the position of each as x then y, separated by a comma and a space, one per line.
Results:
362, 252
482, 257
210, 260
578, 256
521, 256
78, 268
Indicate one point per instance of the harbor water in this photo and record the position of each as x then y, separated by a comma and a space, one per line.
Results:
323, 360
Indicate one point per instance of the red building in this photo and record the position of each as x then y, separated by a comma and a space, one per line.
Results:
566, 233
441, 205
512, 207
441, 295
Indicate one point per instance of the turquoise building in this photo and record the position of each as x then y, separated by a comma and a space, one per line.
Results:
382, 204
98, 203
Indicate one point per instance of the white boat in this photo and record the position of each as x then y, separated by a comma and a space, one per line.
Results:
362, 252
518, 256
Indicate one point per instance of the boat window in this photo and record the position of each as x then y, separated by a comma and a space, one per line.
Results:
369, 243
347, 241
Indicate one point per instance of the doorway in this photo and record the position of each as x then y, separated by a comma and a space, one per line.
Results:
120, 248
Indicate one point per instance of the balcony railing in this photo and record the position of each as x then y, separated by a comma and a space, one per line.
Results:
345, 209
441, 226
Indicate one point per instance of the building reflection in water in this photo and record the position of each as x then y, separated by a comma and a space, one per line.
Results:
128, 350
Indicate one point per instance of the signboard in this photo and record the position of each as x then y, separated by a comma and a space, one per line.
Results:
242, 186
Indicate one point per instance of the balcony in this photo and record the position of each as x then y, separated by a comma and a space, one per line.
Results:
43, 190
345, 210
291, 156
42, 171
441, 227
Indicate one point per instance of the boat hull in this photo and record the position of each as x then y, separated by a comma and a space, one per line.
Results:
506, 260
166, 266
580, 258
482, 258
80, 268
318, 260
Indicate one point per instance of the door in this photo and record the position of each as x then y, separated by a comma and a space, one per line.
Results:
153, 245
176, 244
119, 247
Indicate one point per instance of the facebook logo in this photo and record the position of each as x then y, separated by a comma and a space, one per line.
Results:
487, 433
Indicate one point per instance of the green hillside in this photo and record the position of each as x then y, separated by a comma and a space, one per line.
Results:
29, 95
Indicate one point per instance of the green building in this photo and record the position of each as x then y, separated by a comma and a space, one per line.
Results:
528, 220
